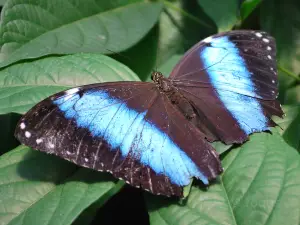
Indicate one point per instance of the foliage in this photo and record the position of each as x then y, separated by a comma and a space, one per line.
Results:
48, 46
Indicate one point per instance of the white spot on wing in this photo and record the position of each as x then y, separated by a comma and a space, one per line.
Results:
39, 140
68, 97
207, 40
271, 68
215, 154
22, 126
86, 159
273, 81
27, 134
212, 171
258, 35
269, 57
269, 48
72, 91
266, 40
51, 145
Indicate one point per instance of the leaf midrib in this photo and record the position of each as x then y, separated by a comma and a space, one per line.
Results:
70, 23
229, 203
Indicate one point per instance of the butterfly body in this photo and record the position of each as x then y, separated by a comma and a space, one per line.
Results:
156, 135
166, 87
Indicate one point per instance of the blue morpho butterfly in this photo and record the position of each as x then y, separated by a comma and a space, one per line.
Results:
155, 135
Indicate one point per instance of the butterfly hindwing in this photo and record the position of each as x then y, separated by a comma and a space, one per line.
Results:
126, 128
231, 79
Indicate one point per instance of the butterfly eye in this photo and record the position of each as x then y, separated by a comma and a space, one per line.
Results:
156, 76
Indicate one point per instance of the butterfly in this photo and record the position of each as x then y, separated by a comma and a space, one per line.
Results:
156, 135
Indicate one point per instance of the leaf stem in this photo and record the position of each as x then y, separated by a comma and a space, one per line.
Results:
289, 73
185, 13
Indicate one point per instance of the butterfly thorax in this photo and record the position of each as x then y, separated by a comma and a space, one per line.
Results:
166, 87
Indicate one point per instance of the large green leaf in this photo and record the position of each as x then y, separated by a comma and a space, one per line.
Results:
2, 2
32, 29
289, 126
248, 7
282, 19
167, 67
36, 188
292, 95
170, 38
181, 25
223, 13
292, 133
147, 48
25, 84
259, 186
291, 112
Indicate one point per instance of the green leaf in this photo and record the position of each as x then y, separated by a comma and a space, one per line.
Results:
2, 2
223, 13
259, 186
170, 37
25, 84
248, 7
147, 48
179, 27
220, 147
43, 28
36, 188
281, 19
289, 126
292, 95
167, 67
292, 133
291, 112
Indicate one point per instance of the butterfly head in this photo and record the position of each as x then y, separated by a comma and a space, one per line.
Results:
162, 83
156, 76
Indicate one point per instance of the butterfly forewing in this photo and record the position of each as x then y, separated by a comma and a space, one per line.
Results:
126, 128
231, 80
239, 61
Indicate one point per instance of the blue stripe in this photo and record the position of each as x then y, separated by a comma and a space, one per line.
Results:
230, 77
128, 130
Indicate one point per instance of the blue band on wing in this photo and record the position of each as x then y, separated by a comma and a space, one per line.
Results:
230, 77
124, 128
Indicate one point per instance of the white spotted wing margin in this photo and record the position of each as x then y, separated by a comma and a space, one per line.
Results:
231, 79
129, 129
